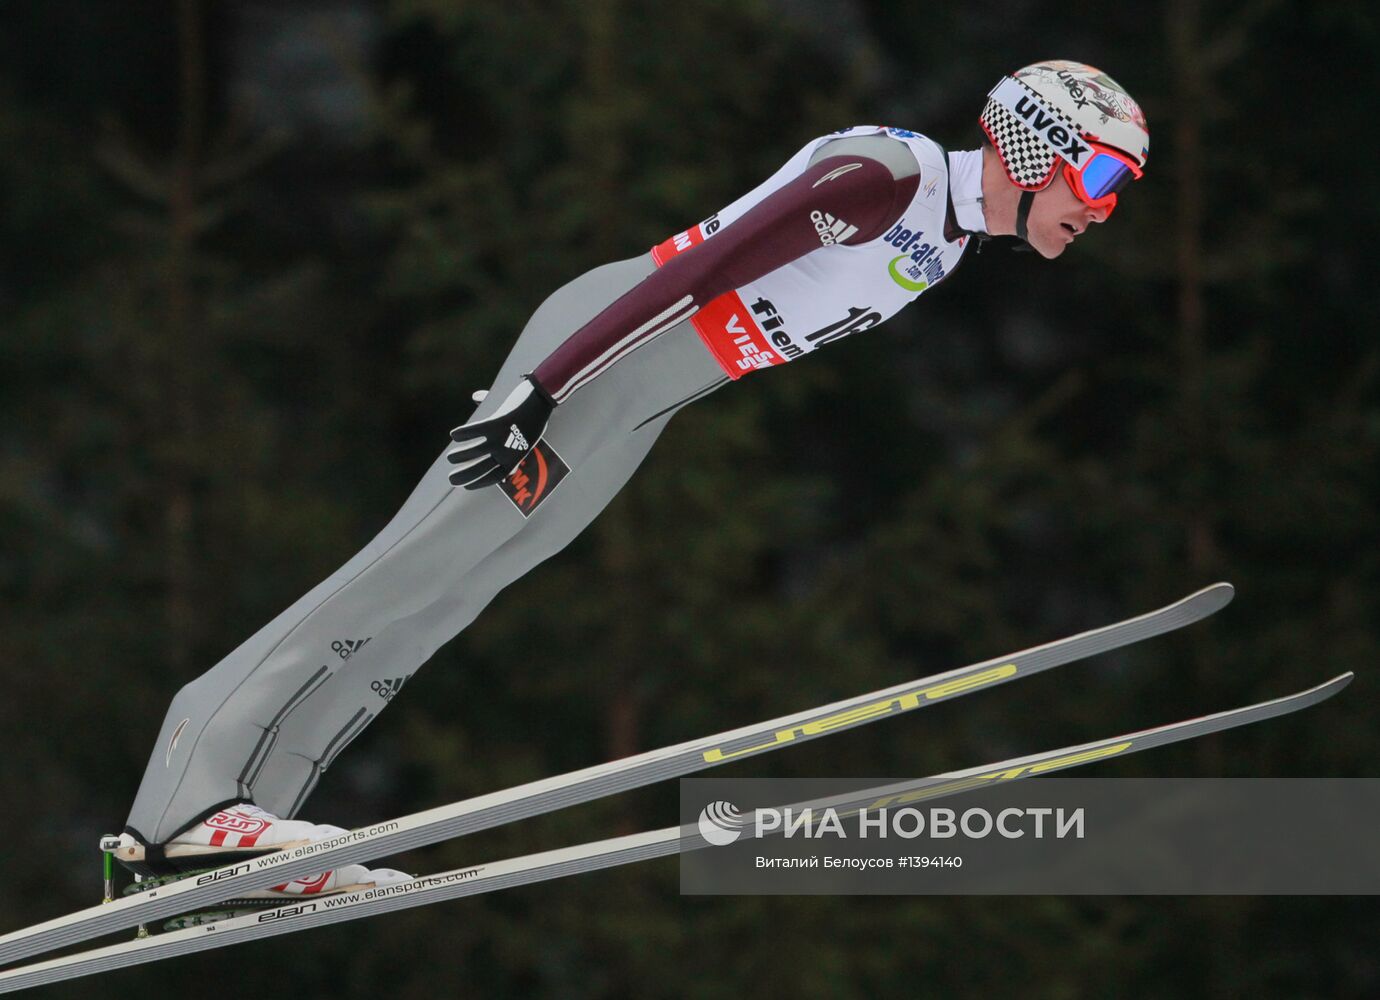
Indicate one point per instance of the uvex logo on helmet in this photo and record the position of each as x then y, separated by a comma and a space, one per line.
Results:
1050, 127
1072, 85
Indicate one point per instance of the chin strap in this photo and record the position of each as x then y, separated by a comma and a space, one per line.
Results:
1022, 217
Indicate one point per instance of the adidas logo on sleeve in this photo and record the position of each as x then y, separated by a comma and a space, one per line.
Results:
830, 229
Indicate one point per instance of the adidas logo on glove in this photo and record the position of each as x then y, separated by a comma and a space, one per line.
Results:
515, 439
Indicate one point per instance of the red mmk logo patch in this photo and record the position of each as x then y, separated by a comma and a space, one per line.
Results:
535, 478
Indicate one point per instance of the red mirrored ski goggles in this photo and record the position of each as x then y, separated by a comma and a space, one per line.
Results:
1105, 173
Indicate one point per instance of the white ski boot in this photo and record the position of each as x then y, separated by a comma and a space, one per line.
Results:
236, 833
230, 835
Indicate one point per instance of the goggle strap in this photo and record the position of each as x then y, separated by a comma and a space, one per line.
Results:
1053, 128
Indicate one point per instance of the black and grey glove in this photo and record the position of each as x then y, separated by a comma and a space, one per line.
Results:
488, 450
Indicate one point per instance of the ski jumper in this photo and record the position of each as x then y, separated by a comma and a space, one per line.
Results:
851, 229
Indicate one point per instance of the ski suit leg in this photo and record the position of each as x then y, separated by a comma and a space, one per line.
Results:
265, 722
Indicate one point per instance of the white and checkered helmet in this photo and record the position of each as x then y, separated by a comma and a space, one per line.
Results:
1035, 117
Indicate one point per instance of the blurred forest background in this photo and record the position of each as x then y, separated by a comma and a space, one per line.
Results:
256, 255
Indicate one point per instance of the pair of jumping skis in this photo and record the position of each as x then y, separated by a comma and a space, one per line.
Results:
548, 794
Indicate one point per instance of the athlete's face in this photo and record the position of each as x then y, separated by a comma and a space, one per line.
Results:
1058, 217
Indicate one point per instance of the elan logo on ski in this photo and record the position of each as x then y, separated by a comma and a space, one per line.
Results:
535, 478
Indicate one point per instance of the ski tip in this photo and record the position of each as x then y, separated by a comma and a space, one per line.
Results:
1316, 695
1211, 599
1328, 688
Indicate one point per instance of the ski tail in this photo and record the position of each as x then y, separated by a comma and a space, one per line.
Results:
564, 862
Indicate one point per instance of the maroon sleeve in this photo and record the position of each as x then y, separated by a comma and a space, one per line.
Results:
857, 191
